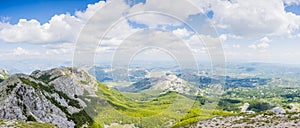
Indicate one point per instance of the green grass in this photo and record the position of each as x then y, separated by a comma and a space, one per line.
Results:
151, 111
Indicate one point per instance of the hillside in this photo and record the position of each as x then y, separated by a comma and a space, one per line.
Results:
69, 97
47, 96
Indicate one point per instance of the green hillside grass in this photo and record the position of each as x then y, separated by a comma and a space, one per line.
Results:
169, 109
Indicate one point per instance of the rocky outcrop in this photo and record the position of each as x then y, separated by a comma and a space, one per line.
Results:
264, 120
278, 110
48, 96
244, 107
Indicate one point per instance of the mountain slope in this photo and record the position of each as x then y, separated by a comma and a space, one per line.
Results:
47, 96
70, 97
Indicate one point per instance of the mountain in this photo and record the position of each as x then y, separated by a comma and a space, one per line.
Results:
70, 97
204, 81
3, 75
104, 74
48, 96
164, 81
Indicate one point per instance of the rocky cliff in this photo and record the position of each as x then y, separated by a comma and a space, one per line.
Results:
50, 96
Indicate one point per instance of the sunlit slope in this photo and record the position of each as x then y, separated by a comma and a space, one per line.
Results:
168, 109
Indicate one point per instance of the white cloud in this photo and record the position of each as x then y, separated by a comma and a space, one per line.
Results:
181, 32
239, 18
234, 36
90, 11
290, 2
223, 37
21, 51
161, 13
248, 17
242, 17
262, 45
60, 28
265, 40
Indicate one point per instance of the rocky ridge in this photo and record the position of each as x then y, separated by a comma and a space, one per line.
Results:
262, 120
50, 96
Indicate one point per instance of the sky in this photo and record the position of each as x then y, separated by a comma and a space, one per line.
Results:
249, 31
42, 10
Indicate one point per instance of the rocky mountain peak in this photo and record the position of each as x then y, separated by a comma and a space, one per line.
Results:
67, 79
48, 96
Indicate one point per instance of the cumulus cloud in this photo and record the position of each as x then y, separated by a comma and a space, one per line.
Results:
291, 2
21, 51
182, 32
259, 46
239, 18
160, 15
262, 45
265, 40
60, 28
248, 17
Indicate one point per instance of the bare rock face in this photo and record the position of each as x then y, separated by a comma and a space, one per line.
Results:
47, 96
245, 107
278, 110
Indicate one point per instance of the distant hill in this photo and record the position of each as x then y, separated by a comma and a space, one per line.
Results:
164, 81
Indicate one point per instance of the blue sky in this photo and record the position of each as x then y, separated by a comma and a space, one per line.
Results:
263, 31
42, 10
293, 8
